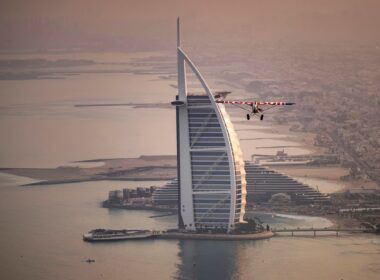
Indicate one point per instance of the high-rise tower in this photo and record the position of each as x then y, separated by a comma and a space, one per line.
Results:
211, 173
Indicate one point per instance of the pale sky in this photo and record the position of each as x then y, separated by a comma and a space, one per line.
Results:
147, 23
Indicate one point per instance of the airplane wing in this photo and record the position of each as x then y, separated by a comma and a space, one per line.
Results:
258, 103
255, 108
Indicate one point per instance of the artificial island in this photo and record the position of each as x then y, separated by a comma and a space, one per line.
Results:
210, 169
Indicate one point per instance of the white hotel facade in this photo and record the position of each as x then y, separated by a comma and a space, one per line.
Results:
211, 174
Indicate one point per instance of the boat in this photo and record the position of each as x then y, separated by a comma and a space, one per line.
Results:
114, 235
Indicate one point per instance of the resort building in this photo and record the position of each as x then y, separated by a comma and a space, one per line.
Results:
262, 184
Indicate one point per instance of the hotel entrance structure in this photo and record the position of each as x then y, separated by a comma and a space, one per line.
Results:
211, 174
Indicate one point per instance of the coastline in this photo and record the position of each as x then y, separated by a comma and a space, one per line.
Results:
302, 144
143, 168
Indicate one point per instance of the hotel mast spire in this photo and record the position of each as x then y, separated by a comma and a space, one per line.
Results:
181, 67
178, 33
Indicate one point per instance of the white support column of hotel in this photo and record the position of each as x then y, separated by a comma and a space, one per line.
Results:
185, 184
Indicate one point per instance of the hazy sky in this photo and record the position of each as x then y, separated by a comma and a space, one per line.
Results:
150, 24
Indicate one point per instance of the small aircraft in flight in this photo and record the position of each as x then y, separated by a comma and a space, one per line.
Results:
255, 108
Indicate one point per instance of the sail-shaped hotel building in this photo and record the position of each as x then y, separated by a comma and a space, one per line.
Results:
211, 174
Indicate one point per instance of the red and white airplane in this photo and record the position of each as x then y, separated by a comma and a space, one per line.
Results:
255, 108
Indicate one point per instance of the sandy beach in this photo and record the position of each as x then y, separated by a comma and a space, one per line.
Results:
144, 168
